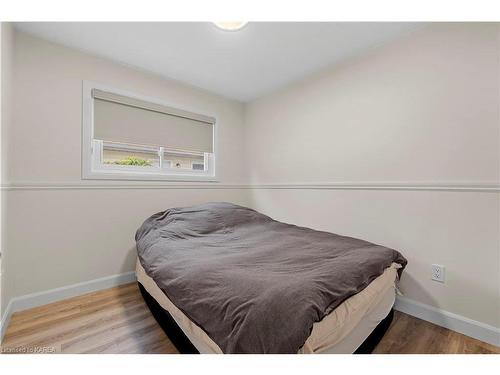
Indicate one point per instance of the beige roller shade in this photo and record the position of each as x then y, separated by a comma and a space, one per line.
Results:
122, 119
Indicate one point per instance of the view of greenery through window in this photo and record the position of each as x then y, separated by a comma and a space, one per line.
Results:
123, 155
131, 160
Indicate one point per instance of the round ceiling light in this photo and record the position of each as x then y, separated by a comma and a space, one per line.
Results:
230, 26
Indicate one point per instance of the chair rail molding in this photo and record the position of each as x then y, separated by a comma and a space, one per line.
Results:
464, 186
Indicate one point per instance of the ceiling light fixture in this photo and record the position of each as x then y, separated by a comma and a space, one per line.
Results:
230, 26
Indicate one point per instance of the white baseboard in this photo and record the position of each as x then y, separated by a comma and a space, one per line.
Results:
446, 319
42, 298
4, 322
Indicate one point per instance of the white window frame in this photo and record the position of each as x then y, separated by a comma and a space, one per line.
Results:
92, 169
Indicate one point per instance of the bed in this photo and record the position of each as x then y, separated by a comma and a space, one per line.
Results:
222, 278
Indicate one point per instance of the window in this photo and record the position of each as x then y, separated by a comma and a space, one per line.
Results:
128, 137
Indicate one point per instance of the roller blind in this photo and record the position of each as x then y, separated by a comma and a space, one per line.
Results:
119, 118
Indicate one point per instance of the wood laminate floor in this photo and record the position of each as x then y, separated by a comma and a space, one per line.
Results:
117, 320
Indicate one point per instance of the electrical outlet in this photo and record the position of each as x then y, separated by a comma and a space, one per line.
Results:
437, 273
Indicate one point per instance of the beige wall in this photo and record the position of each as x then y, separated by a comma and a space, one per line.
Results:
62, 236
422, 110
6, 36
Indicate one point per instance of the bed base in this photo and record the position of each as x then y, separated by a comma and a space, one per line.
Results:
184, 345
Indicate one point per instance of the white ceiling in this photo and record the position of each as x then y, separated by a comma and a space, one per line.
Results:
241, 65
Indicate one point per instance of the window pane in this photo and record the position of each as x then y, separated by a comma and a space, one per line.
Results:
184, 160
117, 156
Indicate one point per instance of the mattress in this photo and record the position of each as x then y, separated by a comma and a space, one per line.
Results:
341, 331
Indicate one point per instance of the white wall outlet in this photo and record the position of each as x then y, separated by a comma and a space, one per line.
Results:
437, 273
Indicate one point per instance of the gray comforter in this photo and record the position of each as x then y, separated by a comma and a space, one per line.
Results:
253, 284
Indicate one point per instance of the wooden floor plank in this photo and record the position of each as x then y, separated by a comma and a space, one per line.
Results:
78, 325
117, 320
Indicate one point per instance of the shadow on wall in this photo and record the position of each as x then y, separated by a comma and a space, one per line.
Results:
424, 296
129, 260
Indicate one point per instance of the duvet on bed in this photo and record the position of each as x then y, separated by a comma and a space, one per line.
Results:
236, 273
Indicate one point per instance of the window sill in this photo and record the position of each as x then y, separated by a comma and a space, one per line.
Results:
121, 176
